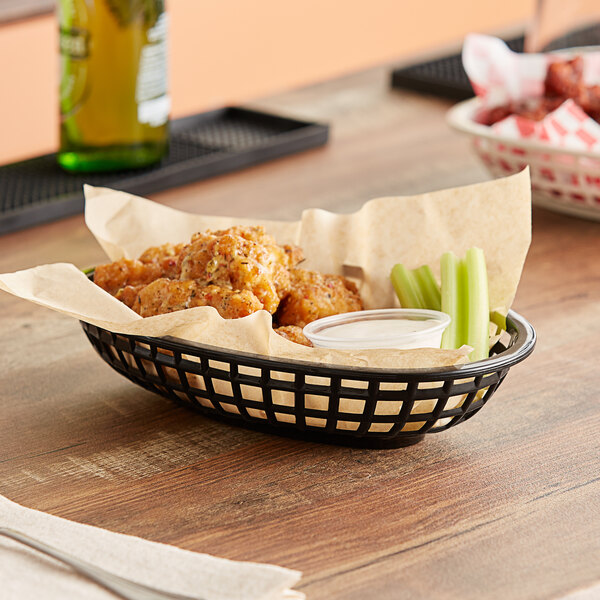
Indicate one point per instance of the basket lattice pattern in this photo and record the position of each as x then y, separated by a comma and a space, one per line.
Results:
315, 401
563, 181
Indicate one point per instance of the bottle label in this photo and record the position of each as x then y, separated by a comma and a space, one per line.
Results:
74, 43
153, 102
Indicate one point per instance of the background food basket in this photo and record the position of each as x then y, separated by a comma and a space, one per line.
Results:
360, 407
562, 180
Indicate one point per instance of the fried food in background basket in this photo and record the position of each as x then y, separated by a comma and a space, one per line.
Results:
564, 81
238, 271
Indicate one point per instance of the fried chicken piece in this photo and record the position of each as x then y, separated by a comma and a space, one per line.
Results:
158, 253
129, 294
288, 255
155, 262
280, 258
314, 295
294, 334
230, 304
534, 109
495, 114
169, 295
116, 275
164, 296
538, 109
234, 262
589, 100
564, 78
166, 256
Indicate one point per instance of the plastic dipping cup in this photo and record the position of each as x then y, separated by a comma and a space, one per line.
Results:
400, 328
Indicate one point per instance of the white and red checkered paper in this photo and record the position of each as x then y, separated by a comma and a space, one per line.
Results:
499, 76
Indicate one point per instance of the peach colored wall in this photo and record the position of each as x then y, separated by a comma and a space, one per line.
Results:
233, 51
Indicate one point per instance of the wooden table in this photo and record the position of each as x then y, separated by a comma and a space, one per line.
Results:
504, 506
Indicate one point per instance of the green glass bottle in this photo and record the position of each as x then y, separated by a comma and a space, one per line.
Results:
114, 103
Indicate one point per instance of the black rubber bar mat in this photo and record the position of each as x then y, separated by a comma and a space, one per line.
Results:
443, 76
446, 77
37, 191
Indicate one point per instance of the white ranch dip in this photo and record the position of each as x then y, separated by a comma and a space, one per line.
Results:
387, 328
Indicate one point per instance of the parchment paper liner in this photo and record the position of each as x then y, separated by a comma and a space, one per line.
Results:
415, 230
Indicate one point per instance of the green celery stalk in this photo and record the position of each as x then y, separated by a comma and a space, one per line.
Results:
406, 287
429, 287
453, 299
499, 319
478, 304
463, 296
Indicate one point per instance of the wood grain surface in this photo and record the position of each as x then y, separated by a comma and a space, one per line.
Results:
505, 506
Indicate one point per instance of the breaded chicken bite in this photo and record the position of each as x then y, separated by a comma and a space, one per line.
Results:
234, 262
287, 255
314, 295
169, 295
279, 258
155, 262
129, 294
166, 256
294, 334
116, 275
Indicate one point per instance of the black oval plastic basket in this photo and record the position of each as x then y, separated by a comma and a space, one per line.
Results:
378, 408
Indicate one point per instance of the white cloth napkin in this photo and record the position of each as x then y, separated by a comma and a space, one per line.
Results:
26, 574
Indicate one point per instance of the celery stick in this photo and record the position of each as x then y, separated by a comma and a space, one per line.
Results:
452, 299
478, 304
429, 287
499, 319
407, 288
